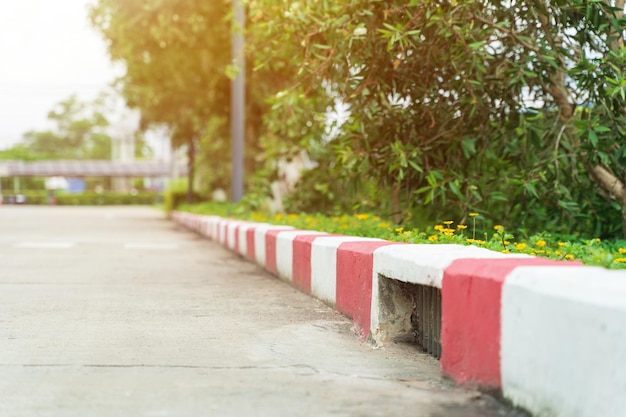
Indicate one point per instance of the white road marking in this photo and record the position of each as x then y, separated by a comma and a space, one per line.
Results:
44, 245
151, 246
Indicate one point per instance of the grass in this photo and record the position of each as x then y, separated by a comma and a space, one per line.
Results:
591, 251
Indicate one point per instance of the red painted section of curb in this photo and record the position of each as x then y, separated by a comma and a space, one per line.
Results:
302, 262
250, 252
355, 264
471, 294
236, 232
270, 250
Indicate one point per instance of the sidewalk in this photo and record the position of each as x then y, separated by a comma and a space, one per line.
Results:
118, 312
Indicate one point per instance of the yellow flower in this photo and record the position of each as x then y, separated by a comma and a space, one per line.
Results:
433, 238
438, 227
476, 241
561, 244
541, 243
622, 250
569, 257
506, 251
399, 229
619, 260
473, 214
506, 242
498, 227
598, 240
520, 246
558, 253
363, 216
448, 222
461, 227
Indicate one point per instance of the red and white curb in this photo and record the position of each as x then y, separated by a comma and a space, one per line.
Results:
549, 336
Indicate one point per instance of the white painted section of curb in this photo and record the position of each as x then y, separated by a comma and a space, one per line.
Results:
243, 241
215, 224
221, 231
424, 264
231, 229
204, 226
284, 251
259, 241
418, 264
208, 225
563, 346
324, 265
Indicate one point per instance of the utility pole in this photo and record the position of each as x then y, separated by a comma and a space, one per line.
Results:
237, 112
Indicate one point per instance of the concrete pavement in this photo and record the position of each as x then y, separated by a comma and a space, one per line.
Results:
118, 312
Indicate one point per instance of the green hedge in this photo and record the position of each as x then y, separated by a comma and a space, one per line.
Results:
174, 197
89, 198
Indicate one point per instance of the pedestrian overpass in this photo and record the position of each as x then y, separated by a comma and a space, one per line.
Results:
87, 168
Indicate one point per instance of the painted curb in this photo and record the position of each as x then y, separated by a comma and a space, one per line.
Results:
549, 336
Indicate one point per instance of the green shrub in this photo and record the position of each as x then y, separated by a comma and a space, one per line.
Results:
88, 198
107, 199
176, 194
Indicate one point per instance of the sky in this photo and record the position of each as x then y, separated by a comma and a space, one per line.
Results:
48, 51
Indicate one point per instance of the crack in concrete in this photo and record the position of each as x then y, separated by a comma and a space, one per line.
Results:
243, 367
69, 365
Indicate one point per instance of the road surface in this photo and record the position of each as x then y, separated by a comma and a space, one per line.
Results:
119, 312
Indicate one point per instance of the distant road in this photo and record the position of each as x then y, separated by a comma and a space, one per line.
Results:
118, 312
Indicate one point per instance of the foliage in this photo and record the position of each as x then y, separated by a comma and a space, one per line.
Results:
514, 110
88, 198
19, 152
463, 106
214, 142
175, 54
176, 194
165, 49
79, 132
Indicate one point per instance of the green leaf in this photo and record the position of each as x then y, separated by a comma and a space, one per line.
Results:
476, 45
416, 167
454, 187
593, 138
469, 147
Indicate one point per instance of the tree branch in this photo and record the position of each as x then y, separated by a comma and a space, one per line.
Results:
608, 180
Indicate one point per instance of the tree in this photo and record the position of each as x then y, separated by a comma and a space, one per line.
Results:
80, 132
513, 109
175, 53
